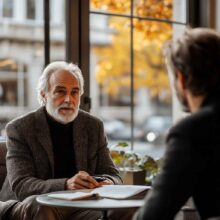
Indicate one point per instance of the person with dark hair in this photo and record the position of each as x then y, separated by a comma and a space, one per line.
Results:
191, 162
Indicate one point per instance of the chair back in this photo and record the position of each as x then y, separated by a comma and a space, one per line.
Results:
214, 218
3, 171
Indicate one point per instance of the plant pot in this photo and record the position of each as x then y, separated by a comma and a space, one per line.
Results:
132, 176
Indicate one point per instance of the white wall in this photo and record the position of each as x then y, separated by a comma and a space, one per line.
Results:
218, 15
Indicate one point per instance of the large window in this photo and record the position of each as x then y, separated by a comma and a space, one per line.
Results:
57, 30
129, 84
31, 9
118, 45
22, 52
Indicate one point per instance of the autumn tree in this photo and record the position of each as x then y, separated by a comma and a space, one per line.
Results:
113, 71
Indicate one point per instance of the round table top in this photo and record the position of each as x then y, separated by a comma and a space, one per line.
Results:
99, 204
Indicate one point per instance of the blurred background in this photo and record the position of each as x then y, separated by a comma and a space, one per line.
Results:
118, 44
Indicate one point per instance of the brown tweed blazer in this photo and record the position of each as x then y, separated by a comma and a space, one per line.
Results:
30, 161
5, 206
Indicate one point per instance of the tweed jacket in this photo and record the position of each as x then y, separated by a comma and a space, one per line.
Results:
191, 167
5, 206
30, 160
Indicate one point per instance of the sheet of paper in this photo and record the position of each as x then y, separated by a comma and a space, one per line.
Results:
108, 191
119, 191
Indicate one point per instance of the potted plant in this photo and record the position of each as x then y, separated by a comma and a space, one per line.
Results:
134, 168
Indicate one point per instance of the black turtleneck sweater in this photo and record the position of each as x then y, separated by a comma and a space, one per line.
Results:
62, 140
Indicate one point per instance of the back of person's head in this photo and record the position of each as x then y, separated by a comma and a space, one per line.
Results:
43, 83
196, 54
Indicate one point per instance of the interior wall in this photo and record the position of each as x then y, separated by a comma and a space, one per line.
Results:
218, 15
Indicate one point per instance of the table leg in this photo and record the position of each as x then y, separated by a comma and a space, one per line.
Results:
104, 215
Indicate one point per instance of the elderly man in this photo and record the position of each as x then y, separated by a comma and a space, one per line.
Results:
57, 147
191, 163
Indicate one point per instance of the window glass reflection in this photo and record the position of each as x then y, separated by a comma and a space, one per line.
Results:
57, 30
161, 9
31, 9
112, 6
113, 62
8, 8
21, 61
13, 80
117, 59
110, 72
22, 54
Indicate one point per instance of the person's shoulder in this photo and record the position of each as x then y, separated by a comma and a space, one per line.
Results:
83, 115
25, 118
195, 121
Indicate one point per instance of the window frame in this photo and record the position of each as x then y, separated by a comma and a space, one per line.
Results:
77, 38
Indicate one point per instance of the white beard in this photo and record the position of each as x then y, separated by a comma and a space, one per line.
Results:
64, 119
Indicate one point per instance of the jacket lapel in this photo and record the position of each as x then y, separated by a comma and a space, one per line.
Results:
80, 140
43, 135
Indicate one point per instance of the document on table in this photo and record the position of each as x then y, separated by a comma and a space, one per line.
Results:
107, 191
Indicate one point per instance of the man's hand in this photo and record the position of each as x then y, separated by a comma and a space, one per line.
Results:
103, 180
106, 182
82, 180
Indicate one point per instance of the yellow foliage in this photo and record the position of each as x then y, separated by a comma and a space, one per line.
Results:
155, 8
113, 71
112, 88
116, 6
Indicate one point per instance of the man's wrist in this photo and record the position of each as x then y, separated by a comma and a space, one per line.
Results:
66, 185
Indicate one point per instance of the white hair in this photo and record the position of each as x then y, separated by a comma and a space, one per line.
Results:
43, 83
